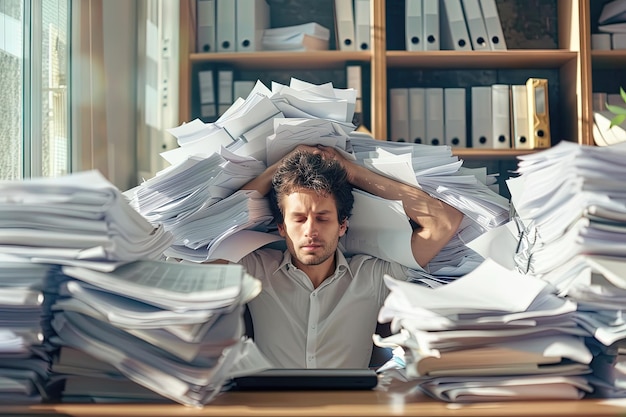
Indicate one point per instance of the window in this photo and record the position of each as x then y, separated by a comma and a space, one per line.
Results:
34, 76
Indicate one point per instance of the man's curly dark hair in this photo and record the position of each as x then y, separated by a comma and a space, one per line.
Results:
305, 170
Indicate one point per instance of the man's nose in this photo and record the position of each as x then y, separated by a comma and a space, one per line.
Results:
311, 228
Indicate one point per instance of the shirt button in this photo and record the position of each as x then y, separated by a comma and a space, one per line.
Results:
313, 294
313, 327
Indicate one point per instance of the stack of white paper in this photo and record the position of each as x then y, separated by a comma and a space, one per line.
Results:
303, 37
493, 334
572, 214
175, 329
78, 217
198, 235
24, 351
570, 199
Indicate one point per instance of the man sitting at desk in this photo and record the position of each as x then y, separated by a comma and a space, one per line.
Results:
318, 309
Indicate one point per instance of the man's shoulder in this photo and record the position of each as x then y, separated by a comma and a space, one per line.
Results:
359, 263
263, 254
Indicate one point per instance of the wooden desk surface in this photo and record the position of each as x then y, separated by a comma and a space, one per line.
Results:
329, 403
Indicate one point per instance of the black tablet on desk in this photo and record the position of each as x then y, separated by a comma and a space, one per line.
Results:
307, 379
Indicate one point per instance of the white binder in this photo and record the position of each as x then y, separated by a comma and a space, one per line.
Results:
434, 116
225, 19
501, 115
344, 24
454, 35
399, 114
519, 117
354, 80
208, 107
252, 17
476, 25
482, 137
242, 88
455, 126
414, 25
224, 90
417, 115
493, 25
362, 19
430, 14
205, 41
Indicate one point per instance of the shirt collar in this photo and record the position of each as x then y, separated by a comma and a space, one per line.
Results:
341, 267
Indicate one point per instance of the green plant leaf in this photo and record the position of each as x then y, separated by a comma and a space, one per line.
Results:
617, 120
615, 109
623, 94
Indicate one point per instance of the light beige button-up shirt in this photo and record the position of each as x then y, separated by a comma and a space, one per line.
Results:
298, 326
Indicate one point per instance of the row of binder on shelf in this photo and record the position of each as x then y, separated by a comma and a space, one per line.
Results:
353, 24
244, 26
608, 41
461, 25
219, 89
501, 116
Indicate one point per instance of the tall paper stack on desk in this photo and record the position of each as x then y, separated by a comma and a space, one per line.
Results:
24, 334
175, 329
572, 215
93, 278
491, 335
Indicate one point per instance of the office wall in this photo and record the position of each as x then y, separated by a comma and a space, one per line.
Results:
120, 67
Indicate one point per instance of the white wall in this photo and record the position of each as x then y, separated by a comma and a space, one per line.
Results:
120, 66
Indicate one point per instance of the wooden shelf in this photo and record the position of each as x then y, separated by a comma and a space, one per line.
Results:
490, 154
284, 60
570, 65
608, 59
478, 59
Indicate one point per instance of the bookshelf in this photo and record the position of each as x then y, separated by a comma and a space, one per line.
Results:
564, 56
607, 69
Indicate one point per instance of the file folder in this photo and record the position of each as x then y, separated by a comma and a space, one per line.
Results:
225, 19
455, 126
454, 35
242, 88
362, 19
344, 25
618, 41
482, 137
224, 90
501, 115
538, 113
601, 41
208, 107
414, 25
252, 17
354, 80
399, 114
476, 25
434, 116
430, 14
417, 112
493, 25
519, 117
206, 26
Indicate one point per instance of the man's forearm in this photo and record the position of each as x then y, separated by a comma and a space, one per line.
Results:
437, 221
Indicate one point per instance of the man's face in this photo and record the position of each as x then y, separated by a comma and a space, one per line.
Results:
311, 228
